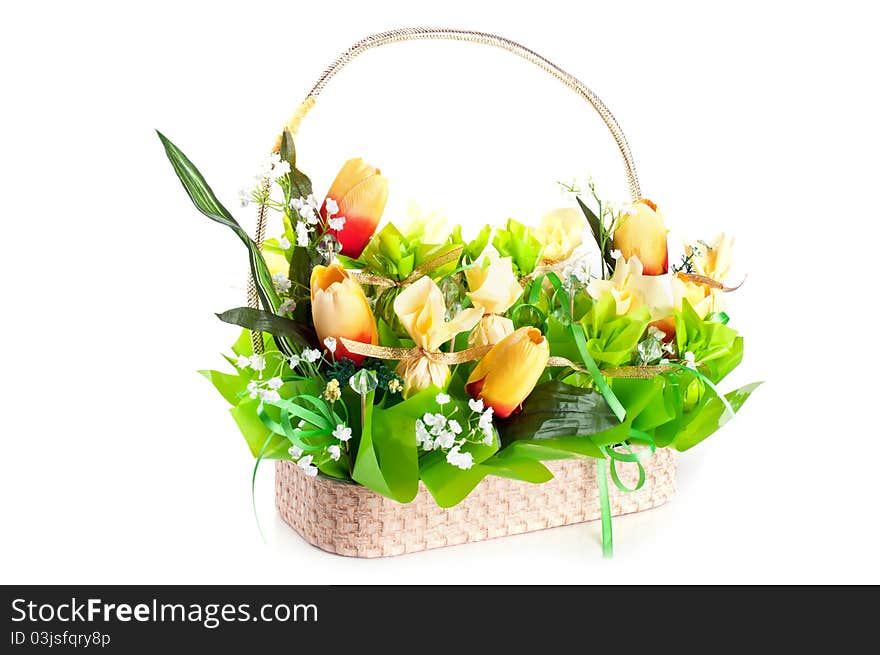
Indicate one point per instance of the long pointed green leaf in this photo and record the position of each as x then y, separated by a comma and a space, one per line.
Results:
206, 202
277, 326
596, 228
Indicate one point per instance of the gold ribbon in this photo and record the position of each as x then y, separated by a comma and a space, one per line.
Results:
641, 372
436, 356
424, 268
709, 282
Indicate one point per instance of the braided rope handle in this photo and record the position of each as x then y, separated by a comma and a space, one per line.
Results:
428, 33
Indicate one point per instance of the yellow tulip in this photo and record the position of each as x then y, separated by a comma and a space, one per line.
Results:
360, 192
422, 312
560, 231
493, 289
632, 289
340, 309
642, 234
509, 372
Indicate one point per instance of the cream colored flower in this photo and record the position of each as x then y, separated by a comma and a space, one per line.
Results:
493, 289
632, 289
422, 312
560, 231
712, 260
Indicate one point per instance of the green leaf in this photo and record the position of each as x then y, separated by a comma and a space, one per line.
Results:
300, 184
598, 231
518, 243
710, 416
555, 410
255, 433
206, 202
473, 249
230, 385
713, 344
612, 339
278, 326
300, 274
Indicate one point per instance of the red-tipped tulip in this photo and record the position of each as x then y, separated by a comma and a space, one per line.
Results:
509, 372
359, 192
642, 234
340, 309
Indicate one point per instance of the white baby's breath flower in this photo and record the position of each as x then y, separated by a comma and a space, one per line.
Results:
342, 432
287, 306
459, 459
488, 437
330, 343
302, 234
306, 465
281, 283
253, 389
284, 243
331, 207
257, 362
269, 395
310, 200
455, 426
295, 452
243, 361
656, 333
486, 419
275, 383
244, 196
423, 437
311, 355
336, 223
280, 169
293, 361
441, 398
690, 360
476, 404
445, 439
334, 451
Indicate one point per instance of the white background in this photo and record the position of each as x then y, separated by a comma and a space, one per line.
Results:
121, 465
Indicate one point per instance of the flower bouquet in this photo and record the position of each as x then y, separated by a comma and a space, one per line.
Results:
386, 364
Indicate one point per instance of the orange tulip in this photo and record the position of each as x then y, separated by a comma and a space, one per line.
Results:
340, 309
642, 234
509, 372
360, 193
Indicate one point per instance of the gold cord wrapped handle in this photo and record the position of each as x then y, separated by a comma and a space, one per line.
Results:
428, 33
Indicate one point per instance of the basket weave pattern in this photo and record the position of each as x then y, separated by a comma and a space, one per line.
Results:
351, 520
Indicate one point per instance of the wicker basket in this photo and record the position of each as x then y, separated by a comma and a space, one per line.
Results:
348, 519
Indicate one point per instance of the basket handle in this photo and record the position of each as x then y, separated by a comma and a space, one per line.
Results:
425, 33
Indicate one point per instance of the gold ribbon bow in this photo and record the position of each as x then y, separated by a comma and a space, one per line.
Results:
436, 356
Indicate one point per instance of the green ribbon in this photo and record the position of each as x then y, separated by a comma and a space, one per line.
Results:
605, 505
580, 340
702, 378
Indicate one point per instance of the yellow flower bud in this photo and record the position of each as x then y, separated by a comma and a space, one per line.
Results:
360, 192
340, 309
508, 373
642, 234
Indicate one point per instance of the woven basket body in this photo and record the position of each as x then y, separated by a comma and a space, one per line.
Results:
351, 520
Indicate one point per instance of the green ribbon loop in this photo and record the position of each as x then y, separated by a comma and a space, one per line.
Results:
728, 408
